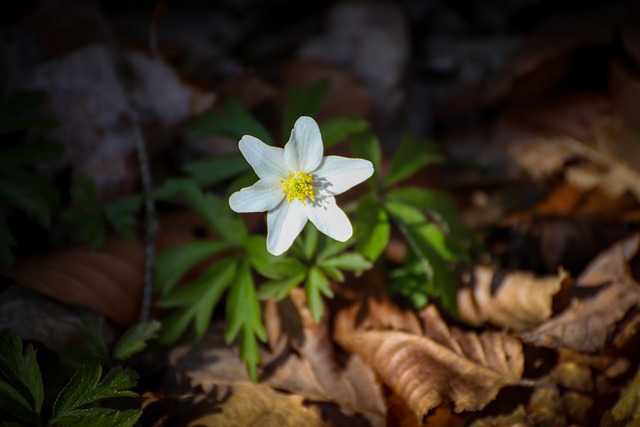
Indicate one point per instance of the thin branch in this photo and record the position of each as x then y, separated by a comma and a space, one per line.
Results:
124, 76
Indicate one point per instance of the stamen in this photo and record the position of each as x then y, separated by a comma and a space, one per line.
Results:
298, 185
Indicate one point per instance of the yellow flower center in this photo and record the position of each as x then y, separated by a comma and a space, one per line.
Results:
298, 185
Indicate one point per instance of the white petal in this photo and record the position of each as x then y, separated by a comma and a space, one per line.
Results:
329, 218
338, 174
266, 161
303, 152
261, 196
284, 223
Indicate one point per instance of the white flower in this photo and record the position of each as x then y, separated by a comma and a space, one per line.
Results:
298, 184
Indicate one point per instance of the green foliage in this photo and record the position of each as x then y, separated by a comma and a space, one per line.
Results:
413, 155
304, 101
20, 187
94, 349
233, 121
213, 170
135, 339
95, 219
86, 388
22, 390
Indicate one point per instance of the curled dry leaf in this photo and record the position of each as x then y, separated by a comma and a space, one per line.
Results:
589, 323
351, 384
517, 300
259, 405
443, 366
108, 281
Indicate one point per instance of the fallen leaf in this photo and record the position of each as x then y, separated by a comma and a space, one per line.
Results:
108, 281
351, 384
37, 318
465, 369
516, 300
259, 405
588, 323
612, 265
628, 405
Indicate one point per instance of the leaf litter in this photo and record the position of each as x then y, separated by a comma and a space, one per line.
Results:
547, 326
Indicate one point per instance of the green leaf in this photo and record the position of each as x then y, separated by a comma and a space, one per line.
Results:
304, 101
27, 192
350, 261
327, 247
332, 273
256, 249
172, 264
213, 170
234, 121
372, 228
20, 369
413, 154
310, 237
94, 348
135, 339
99, 417
367, 146
218, 215
336, 130
282, 268
29, 154
198, 299
280, 288
426, 241
244, 314
85, 387
16, 404
316, 286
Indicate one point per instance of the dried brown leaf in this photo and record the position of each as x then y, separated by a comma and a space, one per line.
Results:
259, 405
108, 281
465, 369
588, 323
628, 405
516, 300
351, 384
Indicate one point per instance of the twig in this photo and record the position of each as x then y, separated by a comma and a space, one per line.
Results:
121, 68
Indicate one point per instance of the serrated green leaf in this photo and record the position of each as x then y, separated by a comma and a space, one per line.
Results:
20, 368
279, 289
304, 101
437, 203
234, 121
172, 264
332, 273
244, 314
310, 237
430, 249
315, 286
413, 155
26, 192
212, 170
372, 228
100, 417
16, 404
135, 339
349, 261
366, 145
198, 299
218, 215
336, 130
256, 249
327, 247
85, 387
282, 268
